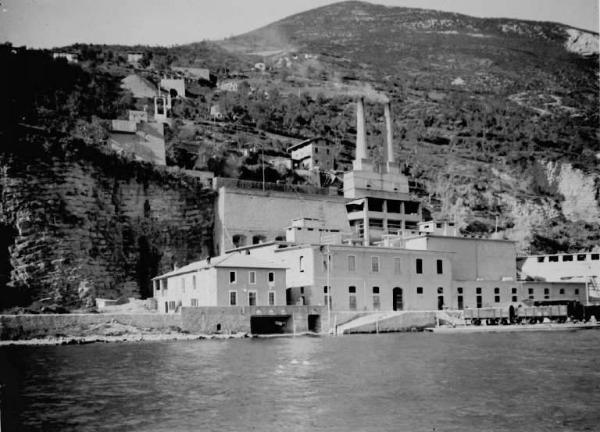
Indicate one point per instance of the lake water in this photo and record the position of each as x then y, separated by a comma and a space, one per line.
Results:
390, 382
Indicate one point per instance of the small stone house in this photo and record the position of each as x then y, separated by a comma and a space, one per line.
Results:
227, 280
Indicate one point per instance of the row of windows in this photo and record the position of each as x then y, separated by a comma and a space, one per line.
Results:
251, 277
561, 291
233, 298
567, 258
376, 265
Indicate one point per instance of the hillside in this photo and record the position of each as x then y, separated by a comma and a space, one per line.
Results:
483, 108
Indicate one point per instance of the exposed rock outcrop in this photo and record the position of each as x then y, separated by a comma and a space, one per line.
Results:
85, 227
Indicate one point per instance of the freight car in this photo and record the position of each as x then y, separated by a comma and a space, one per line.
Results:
516, 315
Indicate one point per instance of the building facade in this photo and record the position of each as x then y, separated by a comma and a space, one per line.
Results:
231, 280
313, 153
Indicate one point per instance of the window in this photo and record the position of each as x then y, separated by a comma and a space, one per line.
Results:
496, 299
375, 264
576, 292
479, 300
376, 299
478, 290
419, 264
459, 290
397, 266
194, 282
232, 298
271, 277
301, 290
352, 297
541, 259
232, 277
561, 291
460, 302
252, 278
251, 298
301, 263
595, 257
546, 293
351, 263
530, 291
326, 296
440, 266
440, 290
514, 298
567, 258
271, 298
164, 283
419, 290
172, 305
513, 290
581, 257
183, 284
496, 290
194, 302
553, 258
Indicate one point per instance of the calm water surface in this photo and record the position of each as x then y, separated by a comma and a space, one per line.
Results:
392, 382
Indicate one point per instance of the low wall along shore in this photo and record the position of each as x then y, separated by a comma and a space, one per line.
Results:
52, 325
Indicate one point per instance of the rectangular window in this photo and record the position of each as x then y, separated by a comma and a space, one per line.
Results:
194, 282
352, 301
513, 290
271, 277
351, 263
172, 305
419, 264
459, 290
419, 290
232, 277
553, 258
301, 263
375, 264
595, 257
514, 298
376, 302
165, 284
460, 302
530, 291
326, 296
581, 257
567, 258
352, 290
541, 259
194, 302
440, 266
271, 298
232, 298
496, 290
251, 298
546, 293
497, 299
478, 290
576, 292
479, 302
252, 278
562, 291
397, 266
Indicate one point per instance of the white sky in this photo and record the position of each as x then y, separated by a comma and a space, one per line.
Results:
49, 23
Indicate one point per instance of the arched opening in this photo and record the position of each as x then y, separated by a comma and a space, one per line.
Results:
173, 93
239, 240
397, 299
9, 296
258, 239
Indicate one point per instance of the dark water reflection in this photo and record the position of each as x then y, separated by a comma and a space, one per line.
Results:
394, 382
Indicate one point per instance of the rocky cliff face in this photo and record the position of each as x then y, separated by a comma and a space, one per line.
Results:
78, 228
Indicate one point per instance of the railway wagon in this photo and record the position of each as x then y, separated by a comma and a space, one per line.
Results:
533, 314
492, 316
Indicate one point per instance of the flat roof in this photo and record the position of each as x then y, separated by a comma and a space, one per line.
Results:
432, 235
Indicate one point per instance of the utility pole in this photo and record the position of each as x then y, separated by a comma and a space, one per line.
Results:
328, 262
262, 152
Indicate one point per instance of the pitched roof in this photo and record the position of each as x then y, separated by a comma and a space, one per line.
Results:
235, 260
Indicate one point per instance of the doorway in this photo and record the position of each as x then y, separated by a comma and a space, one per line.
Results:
398, 301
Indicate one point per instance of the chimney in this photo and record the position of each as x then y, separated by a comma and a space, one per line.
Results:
389, 133
361, 134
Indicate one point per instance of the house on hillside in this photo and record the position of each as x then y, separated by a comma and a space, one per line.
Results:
139, 86
174, 86
134, 58
227, 280
313, 153
142, 140
193, 73
69, 57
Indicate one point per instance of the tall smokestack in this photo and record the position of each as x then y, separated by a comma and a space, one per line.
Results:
389, 133
361, 134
